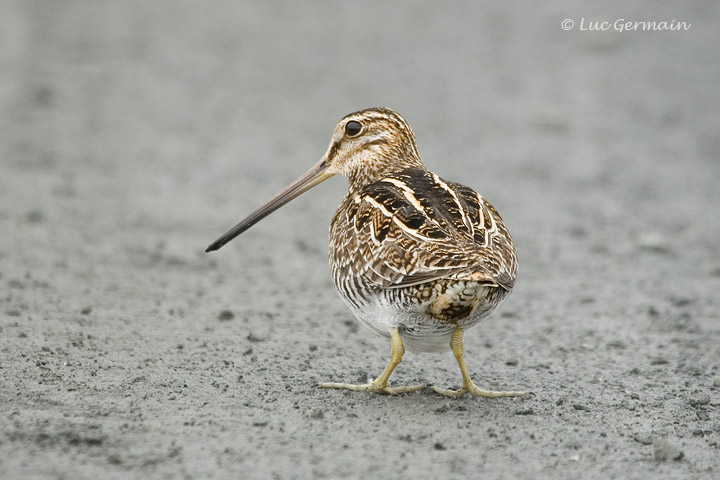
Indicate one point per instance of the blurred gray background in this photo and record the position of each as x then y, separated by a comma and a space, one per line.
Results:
133, 133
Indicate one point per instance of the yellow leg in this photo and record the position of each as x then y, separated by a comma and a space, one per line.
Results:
379, 385
468, 386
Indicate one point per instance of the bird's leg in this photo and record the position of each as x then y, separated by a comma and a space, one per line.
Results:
468, 386
379, 385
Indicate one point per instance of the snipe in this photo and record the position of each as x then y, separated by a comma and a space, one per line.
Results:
415, 257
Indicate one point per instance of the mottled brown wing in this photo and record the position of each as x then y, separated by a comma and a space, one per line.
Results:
413, 227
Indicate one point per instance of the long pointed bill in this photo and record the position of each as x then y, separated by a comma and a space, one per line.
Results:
309, 179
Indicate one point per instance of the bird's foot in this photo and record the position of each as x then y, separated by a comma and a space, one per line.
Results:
473, 390
373, 387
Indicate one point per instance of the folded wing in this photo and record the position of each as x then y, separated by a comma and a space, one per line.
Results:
413, 227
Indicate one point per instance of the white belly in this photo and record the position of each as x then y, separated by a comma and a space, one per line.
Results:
419, 331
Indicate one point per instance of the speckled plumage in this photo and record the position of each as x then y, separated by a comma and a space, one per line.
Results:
433, 253
415, 257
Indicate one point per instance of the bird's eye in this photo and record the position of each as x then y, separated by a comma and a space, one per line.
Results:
352, 128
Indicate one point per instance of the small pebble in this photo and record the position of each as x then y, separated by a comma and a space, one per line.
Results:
652, 242
439, 446
529, 411
698, 400
584, 408
644, 438
716, 382
35, 216
659, 361
680, 301
664, 450
226, 315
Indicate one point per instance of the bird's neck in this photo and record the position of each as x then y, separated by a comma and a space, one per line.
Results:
367, 169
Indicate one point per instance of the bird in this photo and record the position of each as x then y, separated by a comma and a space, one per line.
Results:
416, 258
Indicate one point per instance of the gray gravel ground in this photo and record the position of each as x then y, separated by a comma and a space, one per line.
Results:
132, 133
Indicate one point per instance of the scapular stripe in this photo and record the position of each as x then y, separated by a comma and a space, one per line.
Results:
422, 201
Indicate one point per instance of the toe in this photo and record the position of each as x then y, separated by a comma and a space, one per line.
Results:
449, 393
373, 387
479, 392
403, 389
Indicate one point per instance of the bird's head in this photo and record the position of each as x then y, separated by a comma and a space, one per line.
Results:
370, 143
365, 146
